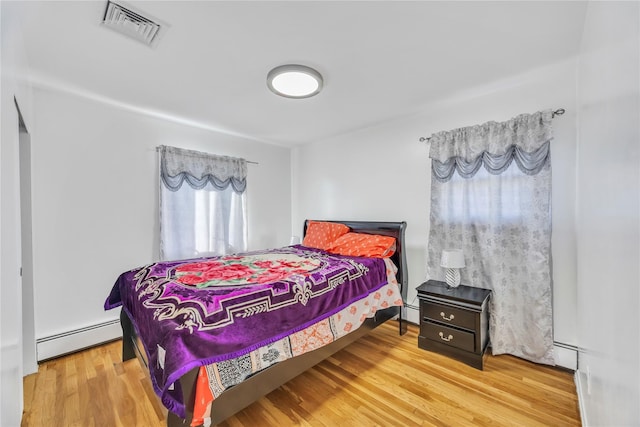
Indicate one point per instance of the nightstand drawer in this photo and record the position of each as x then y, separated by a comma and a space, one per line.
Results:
449, 336
449, 315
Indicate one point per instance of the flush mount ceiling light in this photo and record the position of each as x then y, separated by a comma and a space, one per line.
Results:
294, 81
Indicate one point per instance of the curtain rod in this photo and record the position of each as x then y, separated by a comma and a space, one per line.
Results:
558, 112
248, 161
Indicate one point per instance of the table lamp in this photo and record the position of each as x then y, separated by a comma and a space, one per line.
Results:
453, 261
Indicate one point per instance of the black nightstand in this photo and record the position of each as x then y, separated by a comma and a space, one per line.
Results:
454, 321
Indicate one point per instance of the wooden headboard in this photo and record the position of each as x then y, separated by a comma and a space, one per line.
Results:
393, 229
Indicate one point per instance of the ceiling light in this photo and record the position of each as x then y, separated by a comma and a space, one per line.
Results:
294, 81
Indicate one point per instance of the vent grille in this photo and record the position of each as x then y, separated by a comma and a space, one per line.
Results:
130, 23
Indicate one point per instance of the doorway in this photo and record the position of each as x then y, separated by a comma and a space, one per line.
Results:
29, 360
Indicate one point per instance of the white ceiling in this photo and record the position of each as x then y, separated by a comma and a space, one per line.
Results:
380, 60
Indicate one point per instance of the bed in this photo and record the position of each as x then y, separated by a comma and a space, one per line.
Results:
186, 342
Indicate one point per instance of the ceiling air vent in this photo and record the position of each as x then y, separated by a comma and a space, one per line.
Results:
132, 23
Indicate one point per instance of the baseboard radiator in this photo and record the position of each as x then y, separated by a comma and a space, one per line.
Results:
566, 354
78, 339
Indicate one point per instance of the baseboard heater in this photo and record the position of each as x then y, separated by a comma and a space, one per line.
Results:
78, 339
566, 354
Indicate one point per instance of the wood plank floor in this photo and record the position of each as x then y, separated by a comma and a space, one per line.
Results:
382, 379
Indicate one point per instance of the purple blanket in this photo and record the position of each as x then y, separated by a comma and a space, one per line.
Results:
195, 312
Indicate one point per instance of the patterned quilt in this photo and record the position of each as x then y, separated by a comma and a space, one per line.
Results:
192, 313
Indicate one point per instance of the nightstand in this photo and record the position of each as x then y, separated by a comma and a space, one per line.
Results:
454, 321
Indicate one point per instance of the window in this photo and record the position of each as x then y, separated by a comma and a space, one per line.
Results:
202, 204
486, 198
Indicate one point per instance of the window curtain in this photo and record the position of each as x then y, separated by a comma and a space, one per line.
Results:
202, 204
491, 197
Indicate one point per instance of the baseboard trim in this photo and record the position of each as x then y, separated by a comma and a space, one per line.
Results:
77, 339
583, 414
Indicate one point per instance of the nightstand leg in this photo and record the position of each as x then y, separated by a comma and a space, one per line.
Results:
402, 323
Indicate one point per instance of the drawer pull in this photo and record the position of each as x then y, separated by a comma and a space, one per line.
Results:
448, 319
442, 337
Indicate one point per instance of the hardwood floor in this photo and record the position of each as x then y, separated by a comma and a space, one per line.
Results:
382, 379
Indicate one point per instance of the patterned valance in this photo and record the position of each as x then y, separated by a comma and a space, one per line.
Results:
178, 165
525, 139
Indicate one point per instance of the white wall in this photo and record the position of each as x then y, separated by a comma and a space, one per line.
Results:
14, 64
608, 215
383, 173
94, 187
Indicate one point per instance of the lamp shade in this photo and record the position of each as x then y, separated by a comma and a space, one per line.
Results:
452, 258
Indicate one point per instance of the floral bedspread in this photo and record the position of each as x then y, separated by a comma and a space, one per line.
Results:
192, 313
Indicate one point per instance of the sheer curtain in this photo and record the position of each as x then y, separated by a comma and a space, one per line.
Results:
491, 197
202, 204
